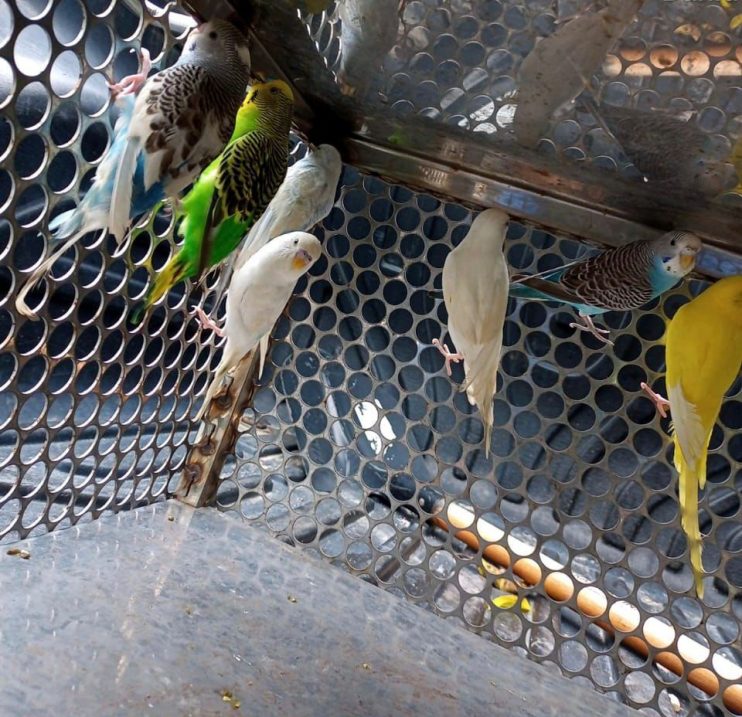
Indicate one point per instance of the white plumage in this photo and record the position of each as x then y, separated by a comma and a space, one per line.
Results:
305, 198
259, 291
475, 289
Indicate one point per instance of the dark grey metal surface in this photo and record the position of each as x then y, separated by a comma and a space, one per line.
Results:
180, 613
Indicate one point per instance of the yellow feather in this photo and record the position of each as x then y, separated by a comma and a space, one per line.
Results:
704, 355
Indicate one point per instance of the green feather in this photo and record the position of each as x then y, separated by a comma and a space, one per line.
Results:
234, 190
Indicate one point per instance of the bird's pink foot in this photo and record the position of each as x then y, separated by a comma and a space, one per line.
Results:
207, 323
447, 355
586, 324
131, 84
661, 403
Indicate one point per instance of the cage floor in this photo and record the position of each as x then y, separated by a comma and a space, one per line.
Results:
174, 612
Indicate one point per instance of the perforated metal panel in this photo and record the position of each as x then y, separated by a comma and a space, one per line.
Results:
358, 446
676, 70
94, 413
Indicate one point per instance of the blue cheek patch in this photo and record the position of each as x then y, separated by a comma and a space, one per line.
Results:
665, 259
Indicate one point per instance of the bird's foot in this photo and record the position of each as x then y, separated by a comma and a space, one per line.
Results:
207, 323
586, 324
447, 355
660, 402
131, 84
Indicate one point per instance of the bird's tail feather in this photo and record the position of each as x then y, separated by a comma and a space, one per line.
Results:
173, 272
118, 220
60, 248
481, 385
690, 479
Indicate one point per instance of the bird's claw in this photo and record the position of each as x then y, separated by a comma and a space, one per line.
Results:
131, 84
206, 323
587, 325
447, 355
660, 402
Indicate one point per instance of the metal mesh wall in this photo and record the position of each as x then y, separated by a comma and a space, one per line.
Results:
457, 62
93, 412
359, 446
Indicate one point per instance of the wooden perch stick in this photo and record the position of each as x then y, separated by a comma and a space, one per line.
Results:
592, 602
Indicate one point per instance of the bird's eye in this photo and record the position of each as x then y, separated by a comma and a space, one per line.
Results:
212, 35
296, 241
255, 95
672, 242
274, 90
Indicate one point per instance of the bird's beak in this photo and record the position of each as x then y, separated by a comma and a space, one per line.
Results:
687, 261
302, 259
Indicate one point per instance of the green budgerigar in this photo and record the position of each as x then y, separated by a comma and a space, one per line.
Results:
234, 190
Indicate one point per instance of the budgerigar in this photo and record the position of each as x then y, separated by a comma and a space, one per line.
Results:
231, 194
180, 120
703, 357
558, 67
619, 279
259, 291
305, 198
475, 289
368, 31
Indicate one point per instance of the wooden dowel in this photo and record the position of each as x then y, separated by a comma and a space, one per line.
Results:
592, 602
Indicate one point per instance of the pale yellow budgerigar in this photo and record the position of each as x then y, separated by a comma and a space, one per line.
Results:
704, 357
475, 289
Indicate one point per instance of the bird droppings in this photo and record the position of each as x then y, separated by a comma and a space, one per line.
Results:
228, 696
291, 599
20, 553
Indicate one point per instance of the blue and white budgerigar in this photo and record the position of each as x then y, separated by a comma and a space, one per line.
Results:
258, 293
163, 137
475, 289
620, 279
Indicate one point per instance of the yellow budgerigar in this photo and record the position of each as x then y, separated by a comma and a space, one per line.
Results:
704, 357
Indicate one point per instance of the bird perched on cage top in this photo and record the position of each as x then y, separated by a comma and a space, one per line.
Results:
189, 108
475, 289
619, 279
305, 198
257, 295
231, 194
703, 356
560, 65
368, 31
182, 118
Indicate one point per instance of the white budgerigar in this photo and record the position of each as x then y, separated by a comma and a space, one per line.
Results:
368, 32
259, 291
304, 199
558, 67
182, 119
475, 289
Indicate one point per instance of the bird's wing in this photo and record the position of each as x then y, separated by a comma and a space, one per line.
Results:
180, 126
703, 359
617, 279
469, 288
243, 183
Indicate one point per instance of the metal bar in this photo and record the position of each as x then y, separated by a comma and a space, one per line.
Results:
200, 477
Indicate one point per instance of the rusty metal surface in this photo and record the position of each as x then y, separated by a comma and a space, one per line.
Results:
209, 617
